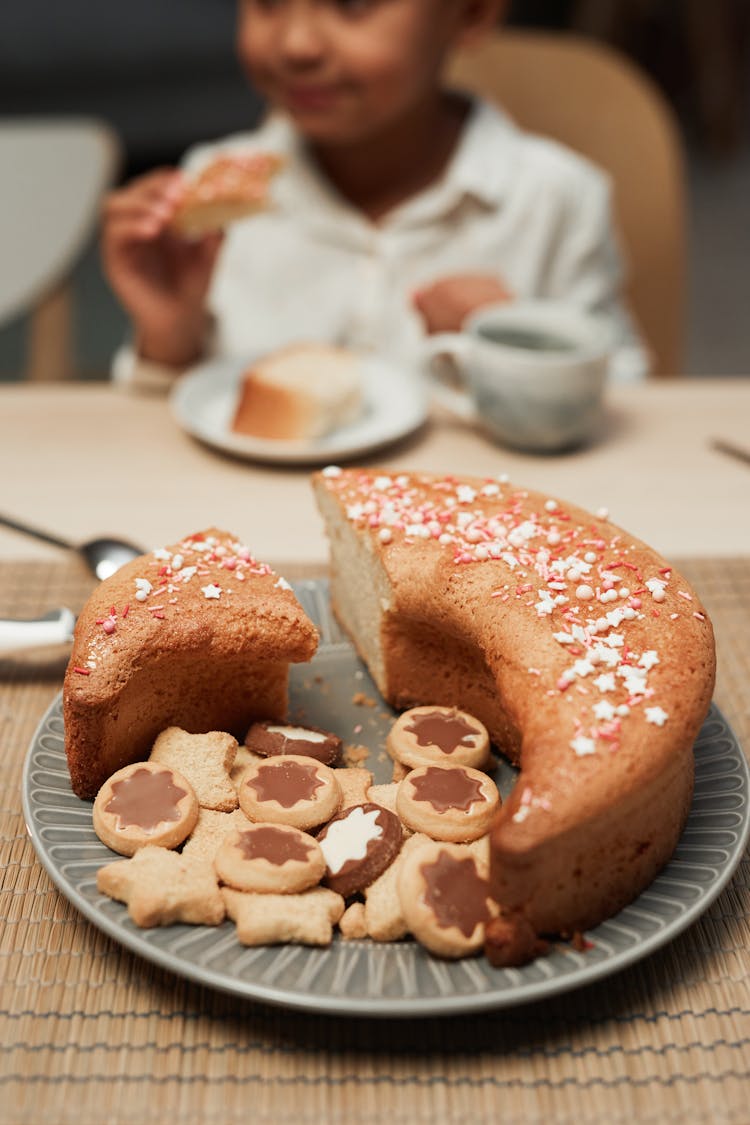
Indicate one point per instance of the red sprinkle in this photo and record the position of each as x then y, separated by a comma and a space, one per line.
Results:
82, 671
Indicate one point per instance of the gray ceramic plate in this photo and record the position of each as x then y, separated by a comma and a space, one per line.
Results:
401, 979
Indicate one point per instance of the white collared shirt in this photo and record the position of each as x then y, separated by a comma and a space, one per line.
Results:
313, 268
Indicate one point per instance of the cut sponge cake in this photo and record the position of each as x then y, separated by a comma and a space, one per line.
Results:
231, 187
301, 392
199, 635
589, 659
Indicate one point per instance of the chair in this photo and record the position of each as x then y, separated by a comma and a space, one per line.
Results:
594, 100
54, 173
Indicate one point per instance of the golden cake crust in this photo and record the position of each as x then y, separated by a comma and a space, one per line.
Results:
588, 657
197, 635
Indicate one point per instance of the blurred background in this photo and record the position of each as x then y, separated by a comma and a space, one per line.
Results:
164, 75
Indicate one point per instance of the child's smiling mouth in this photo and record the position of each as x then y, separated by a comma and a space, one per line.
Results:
318, 96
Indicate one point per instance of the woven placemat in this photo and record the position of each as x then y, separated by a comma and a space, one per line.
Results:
94, 1034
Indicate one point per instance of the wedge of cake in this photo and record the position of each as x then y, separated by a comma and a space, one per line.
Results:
232, 186
198, 635
589, 659
300, 393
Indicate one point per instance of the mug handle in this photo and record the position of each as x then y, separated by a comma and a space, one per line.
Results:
455, 346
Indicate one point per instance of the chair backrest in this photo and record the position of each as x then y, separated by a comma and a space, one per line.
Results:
54, 173
597, 102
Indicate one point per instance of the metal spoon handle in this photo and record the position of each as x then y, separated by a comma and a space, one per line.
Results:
35, 533
55, 628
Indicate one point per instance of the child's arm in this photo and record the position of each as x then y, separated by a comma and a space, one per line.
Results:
445, 304
162, 280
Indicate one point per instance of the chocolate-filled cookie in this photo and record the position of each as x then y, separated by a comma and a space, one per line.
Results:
270, 858
269, 738
358, 845
452, 803
144, 803
445, 898
422, 736
290, 789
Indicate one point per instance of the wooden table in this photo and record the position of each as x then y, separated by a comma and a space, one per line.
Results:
92, 1033
84, 460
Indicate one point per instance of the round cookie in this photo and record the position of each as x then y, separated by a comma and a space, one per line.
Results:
445, 899
290, 789
452, 803
270, 858
270, 737
443, 735
358, 844
145, 803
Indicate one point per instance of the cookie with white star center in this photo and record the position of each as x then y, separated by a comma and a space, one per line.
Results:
422, 736
290, 789
144, 803
268, 738
453, 803
270, 858
358, 845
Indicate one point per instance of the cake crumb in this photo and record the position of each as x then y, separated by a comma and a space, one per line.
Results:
359, 699
355, 755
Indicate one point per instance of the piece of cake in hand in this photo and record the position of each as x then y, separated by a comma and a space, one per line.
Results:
199, 636
300, 393
232, 186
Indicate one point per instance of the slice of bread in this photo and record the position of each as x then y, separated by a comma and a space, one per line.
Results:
300, 393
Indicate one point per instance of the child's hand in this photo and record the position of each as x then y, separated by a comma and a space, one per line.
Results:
446, 303
161, 279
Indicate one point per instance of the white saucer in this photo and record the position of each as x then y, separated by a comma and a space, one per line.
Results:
204, 401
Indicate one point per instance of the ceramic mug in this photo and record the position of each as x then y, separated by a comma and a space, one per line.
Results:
532, 373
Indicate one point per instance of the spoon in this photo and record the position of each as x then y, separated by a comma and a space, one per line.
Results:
102, 556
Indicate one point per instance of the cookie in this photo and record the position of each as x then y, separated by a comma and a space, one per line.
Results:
352, 925
443, 735
358, 844
269, 738
384, 918
205, 760
290, 789
445, 899
354, 781
307, 918
384, 795
161, 887
144, 803
243, 759
270, 858
453, 803
211, 830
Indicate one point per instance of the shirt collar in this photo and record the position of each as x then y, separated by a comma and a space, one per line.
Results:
484, 157
480, 168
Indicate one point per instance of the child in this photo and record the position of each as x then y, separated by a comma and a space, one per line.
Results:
401, 207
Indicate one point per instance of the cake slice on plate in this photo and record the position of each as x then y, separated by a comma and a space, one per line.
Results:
198, 635
589, 659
